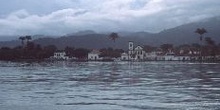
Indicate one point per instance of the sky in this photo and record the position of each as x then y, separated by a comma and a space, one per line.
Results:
60, 17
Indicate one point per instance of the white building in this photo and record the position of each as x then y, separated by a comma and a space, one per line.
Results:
60, 55
139, 53
94, 55
136, 53
124, 56
191, 52
170, 56
154, 55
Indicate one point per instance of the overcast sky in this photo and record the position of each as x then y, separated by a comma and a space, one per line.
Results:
60, 17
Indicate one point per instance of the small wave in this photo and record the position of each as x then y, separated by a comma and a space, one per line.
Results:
86, 103
46, 93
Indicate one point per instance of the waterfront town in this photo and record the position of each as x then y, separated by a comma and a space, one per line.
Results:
207, 50
165, 52
139, 53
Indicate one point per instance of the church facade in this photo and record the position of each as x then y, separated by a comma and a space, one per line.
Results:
135, 53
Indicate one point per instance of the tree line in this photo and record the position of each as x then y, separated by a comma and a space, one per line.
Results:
30, 50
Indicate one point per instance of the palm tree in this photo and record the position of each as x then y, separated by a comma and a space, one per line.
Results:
113, 36
22, 40
201, 31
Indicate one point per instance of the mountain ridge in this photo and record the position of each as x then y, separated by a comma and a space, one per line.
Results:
184, 34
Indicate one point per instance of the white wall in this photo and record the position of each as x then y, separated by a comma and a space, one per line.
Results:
93, 56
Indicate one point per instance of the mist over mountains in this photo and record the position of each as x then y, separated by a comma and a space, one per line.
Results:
184, 34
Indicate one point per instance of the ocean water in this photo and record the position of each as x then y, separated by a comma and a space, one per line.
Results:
109, 86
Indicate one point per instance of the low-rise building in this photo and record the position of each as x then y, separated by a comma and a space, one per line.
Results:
124, 56
138, 54
154, 56
60, 55
94, 55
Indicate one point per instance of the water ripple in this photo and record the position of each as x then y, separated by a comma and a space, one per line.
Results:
121, 85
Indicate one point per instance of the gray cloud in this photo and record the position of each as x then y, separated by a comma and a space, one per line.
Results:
61, 17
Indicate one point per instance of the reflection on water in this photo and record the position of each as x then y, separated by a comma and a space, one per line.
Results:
109, 86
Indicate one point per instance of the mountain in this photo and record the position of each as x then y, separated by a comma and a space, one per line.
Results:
7, 38
81, 33
91, 41
184, 34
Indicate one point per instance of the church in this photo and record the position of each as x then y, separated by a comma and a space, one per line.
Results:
138, 54
134, 53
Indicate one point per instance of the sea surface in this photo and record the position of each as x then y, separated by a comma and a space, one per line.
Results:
109, 86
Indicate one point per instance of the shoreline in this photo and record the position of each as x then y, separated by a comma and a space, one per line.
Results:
46, 60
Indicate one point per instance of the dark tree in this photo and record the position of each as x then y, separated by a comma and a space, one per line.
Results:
69, 51
30, 46
49, 50
22, 40
166, 47
110, 52
196, 46
209, 41
149, 48
211, 47
81, 53
201, 31
113, 36
28, 38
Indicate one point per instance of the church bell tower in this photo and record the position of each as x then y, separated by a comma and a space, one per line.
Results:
130, 46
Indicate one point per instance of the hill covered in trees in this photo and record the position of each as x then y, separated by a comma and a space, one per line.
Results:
184, 34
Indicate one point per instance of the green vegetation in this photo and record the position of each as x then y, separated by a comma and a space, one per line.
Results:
28, 50
201, 31
111, 53
113, 36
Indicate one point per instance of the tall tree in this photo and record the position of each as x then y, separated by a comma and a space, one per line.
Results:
22, 40
113, 36
201, 31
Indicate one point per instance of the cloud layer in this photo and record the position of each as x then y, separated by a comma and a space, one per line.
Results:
59, 17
